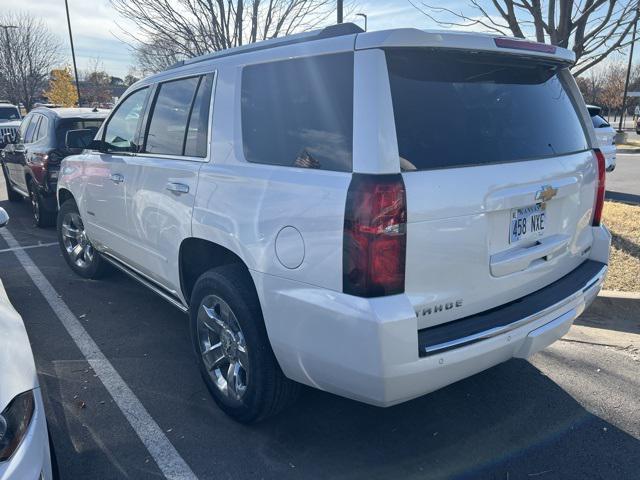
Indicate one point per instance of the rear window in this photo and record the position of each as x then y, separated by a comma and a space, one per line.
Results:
299, 113
75, 124
463, 109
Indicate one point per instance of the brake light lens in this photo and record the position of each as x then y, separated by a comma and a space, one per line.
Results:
597, 209
524, 45
375, 238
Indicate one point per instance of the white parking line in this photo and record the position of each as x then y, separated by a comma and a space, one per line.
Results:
163, 452
28, 247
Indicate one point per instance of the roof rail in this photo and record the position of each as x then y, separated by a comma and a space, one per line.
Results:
327, 32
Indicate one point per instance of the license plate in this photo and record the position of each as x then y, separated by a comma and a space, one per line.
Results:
527, 222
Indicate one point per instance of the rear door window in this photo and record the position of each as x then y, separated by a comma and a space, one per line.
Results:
299, 113
460, 109
170, 115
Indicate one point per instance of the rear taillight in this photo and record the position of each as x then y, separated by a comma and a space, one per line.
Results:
375, 237
597, 209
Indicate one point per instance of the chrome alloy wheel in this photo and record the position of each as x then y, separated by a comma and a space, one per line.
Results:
223, 348
75, 240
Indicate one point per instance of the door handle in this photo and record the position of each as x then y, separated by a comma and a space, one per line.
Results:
177, 188
117, 178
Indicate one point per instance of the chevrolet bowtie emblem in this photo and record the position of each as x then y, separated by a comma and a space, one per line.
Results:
546, 193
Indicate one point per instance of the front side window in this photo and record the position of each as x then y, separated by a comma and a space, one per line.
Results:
457, 109
299, 113
29, 136
121, 131
170, 116
22, 131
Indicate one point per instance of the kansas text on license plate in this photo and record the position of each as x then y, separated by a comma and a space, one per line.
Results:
527, 222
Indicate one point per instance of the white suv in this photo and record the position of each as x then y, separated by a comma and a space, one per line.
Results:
374, 214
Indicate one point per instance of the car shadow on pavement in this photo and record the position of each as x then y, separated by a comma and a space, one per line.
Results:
508, 422
617, 313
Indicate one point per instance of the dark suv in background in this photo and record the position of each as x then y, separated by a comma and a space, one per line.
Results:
31, 160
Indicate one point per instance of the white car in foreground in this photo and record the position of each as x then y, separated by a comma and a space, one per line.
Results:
24, 439
374, 214
606, 136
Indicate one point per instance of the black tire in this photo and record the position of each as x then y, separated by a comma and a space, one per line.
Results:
11, 193
92, 267
41, 216
267, 390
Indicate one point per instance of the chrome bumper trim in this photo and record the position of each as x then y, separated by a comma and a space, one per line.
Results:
587, 290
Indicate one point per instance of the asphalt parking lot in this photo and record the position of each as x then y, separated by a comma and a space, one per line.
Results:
571, 412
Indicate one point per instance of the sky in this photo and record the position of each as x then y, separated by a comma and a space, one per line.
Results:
98, 35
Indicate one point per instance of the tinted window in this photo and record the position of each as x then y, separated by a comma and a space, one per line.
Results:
299, 113
120, 134
599, 122
75, 124
9, 113
31, 129
454, 109
22, 131
168, 126
43, 129
196, 142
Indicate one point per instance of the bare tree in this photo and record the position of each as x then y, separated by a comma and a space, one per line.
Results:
591, 85
593, 29
28, 54
96, 84
168, 31
613, 88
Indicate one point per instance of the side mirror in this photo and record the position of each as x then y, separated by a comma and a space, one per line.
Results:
98, 145
4, 217
7, 138
79, 139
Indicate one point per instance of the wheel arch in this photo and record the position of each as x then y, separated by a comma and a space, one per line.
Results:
197, 256
63, 196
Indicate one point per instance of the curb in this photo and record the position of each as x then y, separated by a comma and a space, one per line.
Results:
628, 150
619, 294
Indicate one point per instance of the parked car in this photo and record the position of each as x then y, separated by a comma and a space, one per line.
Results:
24, 439
31, 162
9, 122
320, 225
606, 136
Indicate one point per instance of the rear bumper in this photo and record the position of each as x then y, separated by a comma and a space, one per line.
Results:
369, 349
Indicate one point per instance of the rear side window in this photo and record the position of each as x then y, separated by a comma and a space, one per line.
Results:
43, 129
196, 141
299, 113
455, 109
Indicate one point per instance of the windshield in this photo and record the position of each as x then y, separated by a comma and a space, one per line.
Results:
503, 109
9, 113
